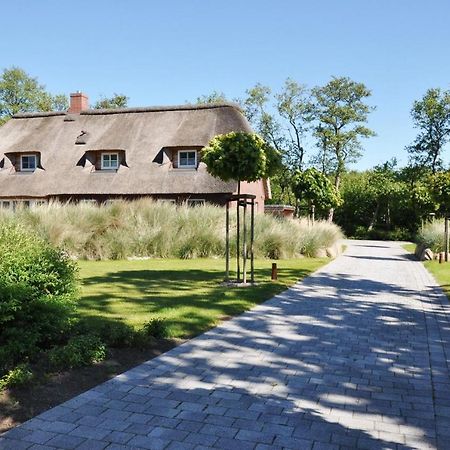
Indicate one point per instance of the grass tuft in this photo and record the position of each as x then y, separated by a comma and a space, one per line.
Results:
145, 228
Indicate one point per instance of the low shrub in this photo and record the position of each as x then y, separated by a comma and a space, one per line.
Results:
17, 376
37, 292
161, 230
397, 234
79, 351
116, 334
432, 235
156, 327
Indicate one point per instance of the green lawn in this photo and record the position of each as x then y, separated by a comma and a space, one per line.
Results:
442, 274
410, 247
185, 292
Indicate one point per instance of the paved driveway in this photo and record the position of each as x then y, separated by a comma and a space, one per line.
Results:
356, 356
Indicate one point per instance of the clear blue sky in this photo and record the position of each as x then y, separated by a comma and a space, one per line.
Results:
172, 51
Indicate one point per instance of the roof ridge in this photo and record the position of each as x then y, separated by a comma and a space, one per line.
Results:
140, 109
27, 115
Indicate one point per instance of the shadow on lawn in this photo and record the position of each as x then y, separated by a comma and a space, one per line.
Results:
156, 292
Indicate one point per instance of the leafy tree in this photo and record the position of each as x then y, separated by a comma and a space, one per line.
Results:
440, 191
431, 115
240, 156
256, 110
382, 188
384, 201
114, 102
294, 105
21, 93
214, 97
316, 189
341, 112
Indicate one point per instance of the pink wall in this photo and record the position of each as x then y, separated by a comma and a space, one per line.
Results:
255, 188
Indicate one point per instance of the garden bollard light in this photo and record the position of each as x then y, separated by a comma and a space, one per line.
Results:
274, 271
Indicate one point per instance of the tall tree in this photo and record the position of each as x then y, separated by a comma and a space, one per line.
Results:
19, 92
341, 114
256, 108
114, 102
431, 115
316, 190
295, 107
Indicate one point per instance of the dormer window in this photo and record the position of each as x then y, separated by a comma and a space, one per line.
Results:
187, 159
28, 163
110, 161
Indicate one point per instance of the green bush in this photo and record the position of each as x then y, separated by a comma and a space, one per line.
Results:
116, 334
79, 351
37, 290
156, 327
17, 376
432, 235
113, 333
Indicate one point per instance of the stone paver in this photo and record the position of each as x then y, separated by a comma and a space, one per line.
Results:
356, 356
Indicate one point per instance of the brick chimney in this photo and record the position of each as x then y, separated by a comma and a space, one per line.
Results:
78, 102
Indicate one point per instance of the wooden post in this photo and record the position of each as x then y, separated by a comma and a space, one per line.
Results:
274, 271
313, 213
238, 244
227, 243
252, 239
244, 245
446, 239
441, 257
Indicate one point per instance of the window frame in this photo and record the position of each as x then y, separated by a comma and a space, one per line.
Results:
28, 169
194, 166
192, 202
109, 154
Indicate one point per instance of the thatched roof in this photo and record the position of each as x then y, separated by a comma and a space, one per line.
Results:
140, 132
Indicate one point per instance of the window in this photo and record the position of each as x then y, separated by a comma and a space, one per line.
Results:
187, 159
110, 161
196, 201
6, 204
28, 163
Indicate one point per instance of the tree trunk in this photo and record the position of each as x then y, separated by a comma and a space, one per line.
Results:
374, 217
337, 182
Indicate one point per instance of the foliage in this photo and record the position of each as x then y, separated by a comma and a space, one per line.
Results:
240, 156
432, 235
79, 351
21, 374
431, 115
115, 333
379, 201
37, 287
314, 187
19, 93
341, 112
213, 98
156, 327
116, 101
440, 190
146, 228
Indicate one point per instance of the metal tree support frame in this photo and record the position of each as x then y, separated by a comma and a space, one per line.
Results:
242, 201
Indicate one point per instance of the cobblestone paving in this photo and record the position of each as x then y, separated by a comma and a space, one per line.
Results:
356, 356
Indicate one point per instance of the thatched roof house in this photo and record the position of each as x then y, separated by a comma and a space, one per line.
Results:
99, 155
